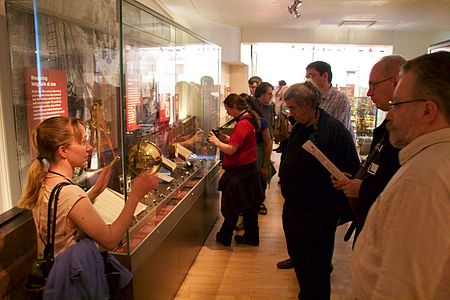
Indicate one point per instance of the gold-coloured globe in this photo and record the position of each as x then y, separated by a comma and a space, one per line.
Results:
144, 156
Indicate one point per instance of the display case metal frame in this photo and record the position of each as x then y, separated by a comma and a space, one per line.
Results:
178, 236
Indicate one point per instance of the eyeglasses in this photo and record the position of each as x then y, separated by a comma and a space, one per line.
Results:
392, 105
373, 85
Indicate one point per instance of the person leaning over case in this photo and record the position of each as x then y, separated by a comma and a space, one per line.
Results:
61, 146
382, 161
240, 184
403, 250
312, 206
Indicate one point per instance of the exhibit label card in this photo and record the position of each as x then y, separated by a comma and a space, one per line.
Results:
133, 100
46, 96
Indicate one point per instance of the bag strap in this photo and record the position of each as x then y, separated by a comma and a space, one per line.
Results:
252, 121
49, 250
373, 155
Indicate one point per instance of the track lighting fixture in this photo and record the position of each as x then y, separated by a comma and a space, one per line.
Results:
293, 8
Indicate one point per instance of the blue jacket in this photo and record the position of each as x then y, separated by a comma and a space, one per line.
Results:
79, 273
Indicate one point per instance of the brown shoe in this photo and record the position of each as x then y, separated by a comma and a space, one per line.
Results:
285, 264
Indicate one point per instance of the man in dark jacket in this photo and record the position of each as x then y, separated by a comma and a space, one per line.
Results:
382, 161
312, 205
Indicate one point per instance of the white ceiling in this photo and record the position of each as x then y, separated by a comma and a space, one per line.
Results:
398, 15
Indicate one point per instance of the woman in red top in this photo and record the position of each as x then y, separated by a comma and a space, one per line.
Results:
240, 184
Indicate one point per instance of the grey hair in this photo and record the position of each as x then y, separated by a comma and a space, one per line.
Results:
306, 93
432, 79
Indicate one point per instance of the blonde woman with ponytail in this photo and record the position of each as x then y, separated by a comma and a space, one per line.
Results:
60, 145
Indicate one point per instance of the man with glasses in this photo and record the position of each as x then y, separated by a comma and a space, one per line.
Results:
334, 102
382, 161
403, 250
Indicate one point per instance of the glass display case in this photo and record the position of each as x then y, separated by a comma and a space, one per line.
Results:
364, 120
143, 85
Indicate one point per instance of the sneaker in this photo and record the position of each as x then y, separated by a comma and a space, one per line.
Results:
222, 240
285, 264
240, 239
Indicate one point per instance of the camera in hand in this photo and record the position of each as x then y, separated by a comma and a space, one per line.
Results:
216, 132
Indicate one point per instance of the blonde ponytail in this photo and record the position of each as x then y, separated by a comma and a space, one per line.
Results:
46, 139
35, 178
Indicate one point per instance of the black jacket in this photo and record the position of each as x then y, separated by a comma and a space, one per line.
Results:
305, 184
373, 183
241, 189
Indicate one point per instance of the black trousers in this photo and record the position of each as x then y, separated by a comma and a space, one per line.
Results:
250, 220
241, 193
310, 243
283, 146
264, 187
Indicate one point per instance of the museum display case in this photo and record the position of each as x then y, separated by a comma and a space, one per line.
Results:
148, 91
364, 120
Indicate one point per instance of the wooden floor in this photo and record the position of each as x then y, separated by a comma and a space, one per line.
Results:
246, 272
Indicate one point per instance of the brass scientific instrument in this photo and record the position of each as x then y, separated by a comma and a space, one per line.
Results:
143, 156
97, 127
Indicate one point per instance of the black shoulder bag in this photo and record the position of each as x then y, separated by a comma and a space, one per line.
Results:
41, 267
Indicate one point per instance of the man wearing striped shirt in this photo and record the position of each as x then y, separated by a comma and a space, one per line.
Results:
334, 102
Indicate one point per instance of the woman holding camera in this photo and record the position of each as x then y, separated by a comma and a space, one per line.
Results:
241, 174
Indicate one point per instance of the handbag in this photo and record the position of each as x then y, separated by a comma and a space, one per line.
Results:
40, 268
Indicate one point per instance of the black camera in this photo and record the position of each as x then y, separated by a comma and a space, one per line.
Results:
216, 132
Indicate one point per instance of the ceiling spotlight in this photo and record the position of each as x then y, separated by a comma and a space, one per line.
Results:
295, 5
293, 8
